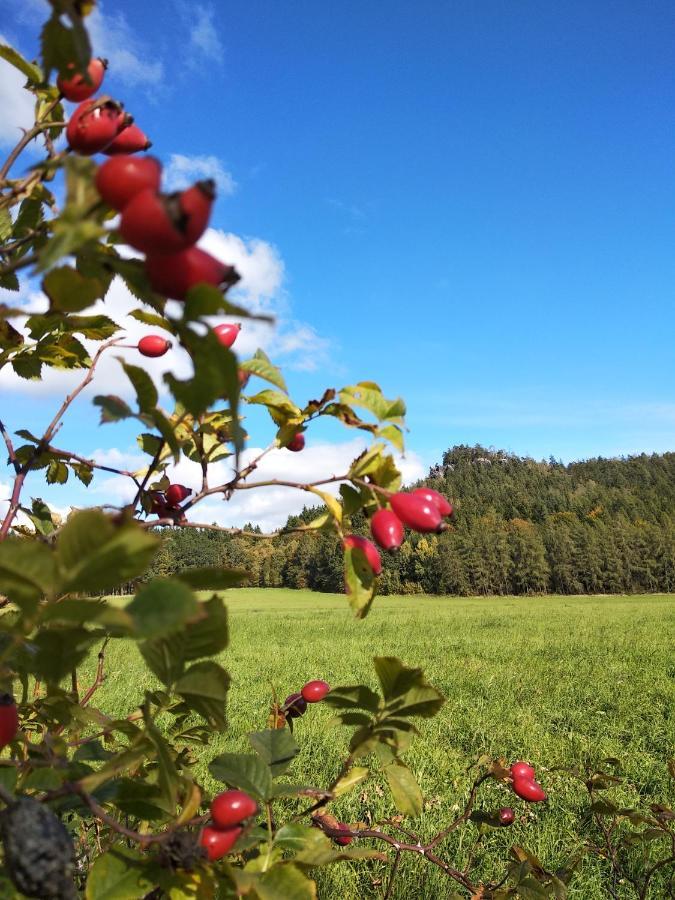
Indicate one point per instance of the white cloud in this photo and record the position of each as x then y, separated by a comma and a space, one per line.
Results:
132, 60
204, 37
16, 103
294, 345
182, 171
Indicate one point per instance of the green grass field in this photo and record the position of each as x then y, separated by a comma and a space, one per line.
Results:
555, 680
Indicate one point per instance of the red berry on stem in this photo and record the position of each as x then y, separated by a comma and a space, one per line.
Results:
387, 529
231, 808
295, 705
506, 815
314, 691
522, 769
94, 125
167, 223
369, 550
227, 333
153, 345
439, 501
9, 719
343, 839
77, 88
528, 789
175, 494
158, 503
243, 377
121, 178
219, 841
416, 512
130, 140
174, 274
296, 443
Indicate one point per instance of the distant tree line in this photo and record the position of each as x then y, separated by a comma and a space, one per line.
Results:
521, 527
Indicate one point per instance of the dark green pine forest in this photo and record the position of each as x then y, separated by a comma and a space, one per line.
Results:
520, 527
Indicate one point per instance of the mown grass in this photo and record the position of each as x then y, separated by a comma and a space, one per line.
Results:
555, 680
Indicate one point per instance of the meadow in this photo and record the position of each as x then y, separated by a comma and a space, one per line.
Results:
555, 680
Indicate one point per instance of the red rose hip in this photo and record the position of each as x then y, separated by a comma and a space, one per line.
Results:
506, 815
130, 140
121, 178
227, 333
314, 691
296, 443
153, 345
167, 223
173, 274
94, 125
295, 705
416, 512
387, 529
343, 839
218, 841
77, 88
528, 789
368, 549
175, 494
439, 501
522, 769
231, 808
9, 720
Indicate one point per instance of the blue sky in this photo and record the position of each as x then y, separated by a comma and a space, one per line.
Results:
471, 203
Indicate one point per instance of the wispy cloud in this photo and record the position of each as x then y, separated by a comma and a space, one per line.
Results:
183, 170
204, 38
16, 103
132, 60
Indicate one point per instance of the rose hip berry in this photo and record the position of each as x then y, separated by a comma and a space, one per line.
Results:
94, 125
227, 333
9, 720
167, 223
174, 274
130, 140
122, 177
368, 549
175, 494
296, 443
528, 789
506, 815
314, 691
343, 839
77, 88
153, 345
231, 808
219, 841
295, 705
416, 512
522, 769
387, 529
439, 501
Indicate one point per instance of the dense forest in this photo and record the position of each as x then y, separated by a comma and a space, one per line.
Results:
520, 526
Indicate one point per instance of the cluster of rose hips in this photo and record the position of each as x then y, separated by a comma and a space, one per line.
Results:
524, 784
229, 811
422, 510
295, 705
169, 501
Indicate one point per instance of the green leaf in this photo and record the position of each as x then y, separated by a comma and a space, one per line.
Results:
245, 771
368, 395
204, 688
31, 70
146, 392
83, 472
165, 657
360, 581
27, 572
355, 776
120, 874
285, 882
62, 46
276, 747
213, 578
58, 651
406, 691
261, 366
69, 291
151, 319
209, 634
57, 472
357, 696
95, 328
112, 408
96, 554
161, 607
404, 788
41, 517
